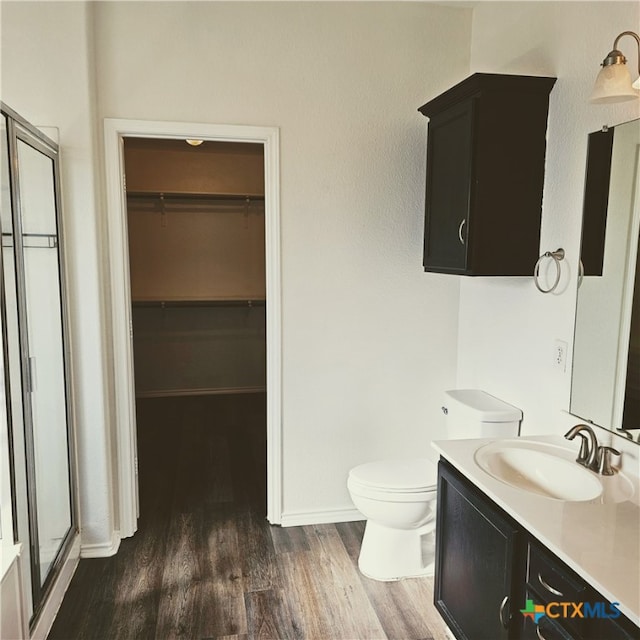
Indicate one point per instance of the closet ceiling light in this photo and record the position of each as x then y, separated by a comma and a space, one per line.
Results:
193, 142
613, 83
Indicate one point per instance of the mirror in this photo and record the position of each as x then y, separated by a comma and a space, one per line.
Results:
605, 385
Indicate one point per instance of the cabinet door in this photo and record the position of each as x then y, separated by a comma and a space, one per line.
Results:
475, 572
448, 191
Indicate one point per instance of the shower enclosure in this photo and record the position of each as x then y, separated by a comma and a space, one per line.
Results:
36, 357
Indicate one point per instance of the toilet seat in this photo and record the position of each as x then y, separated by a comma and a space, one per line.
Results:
395, 480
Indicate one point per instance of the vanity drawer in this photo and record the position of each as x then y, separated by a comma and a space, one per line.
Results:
552, 580
544, 629
548, 629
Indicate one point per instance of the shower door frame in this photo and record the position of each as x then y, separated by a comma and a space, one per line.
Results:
19, 129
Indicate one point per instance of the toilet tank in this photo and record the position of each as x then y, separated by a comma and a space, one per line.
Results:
472, 413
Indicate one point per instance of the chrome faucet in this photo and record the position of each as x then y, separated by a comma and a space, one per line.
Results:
591, 455
588, 455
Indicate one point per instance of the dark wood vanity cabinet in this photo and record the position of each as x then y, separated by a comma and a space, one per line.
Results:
488, 566
485, 169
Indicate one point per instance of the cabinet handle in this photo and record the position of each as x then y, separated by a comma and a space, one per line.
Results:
549, 587
460, 231
503, 607
539, 633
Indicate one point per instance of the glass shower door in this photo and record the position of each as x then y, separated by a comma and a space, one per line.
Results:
46, 370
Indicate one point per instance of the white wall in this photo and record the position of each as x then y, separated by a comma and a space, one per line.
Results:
507, 328
369, 340
47, 78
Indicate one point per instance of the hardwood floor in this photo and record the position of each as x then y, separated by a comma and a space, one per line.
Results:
206, 564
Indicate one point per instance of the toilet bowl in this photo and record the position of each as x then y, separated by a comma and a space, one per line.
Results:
398, 499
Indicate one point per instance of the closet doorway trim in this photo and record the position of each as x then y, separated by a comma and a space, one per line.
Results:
115, 130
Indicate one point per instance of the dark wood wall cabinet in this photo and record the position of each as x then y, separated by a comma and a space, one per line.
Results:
485, 171
488, 566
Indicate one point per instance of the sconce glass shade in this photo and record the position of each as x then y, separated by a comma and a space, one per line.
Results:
613, 84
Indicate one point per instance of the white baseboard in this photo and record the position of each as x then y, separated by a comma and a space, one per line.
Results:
299, 518
52, 605
101, 549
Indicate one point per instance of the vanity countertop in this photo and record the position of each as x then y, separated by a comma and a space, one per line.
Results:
600, 542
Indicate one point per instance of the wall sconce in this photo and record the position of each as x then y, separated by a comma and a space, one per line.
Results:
193, 142
613, 83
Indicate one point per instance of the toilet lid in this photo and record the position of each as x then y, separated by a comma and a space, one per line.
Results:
410, 475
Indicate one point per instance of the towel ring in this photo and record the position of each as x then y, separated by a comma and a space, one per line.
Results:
557, 256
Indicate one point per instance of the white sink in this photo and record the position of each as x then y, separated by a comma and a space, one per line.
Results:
540, 469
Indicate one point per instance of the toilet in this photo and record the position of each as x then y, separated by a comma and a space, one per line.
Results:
398, 497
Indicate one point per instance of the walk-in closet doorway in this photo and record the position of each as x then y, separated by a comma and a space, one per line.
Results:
194, 252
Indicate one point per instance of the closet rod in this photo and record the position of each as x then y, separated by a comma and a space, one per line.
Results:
163, 304
141, 195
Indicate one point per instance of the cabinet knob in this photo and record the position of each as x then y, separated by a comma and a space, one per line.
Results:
460, 231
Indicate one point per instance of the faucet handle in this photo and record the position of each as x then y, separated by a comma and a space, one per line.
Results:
604, 461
